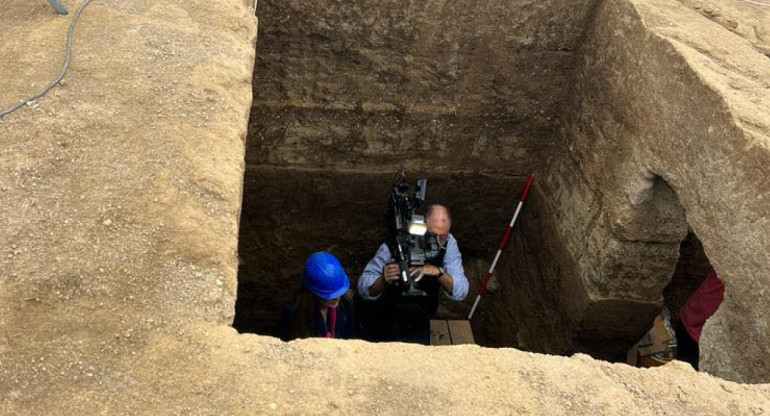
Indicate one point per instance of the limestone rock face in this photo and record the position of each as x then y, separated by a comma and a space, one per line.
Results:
669, 95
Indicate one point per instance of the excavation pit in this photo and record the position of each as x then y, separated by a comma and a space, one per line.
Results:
345, 95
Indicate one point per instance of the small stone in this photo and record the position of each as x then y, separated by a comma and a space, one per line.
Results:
218, 282
107, 222
272, 406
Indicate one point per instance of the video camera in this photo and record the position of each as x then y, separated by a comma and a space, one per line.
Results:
409, 241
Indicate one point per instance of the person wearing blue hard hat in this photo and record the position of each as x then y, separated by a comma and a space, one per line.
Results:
322, 307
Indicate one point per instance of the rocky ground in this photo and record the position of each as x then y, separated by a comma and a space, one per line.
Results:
120, 201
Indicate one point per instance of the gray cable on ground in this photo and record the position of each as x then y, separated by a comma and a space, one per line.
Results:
56, 4
63, 71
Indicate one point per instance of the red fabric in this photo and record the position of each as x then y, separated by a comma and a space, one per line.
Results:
702, 304
330, 333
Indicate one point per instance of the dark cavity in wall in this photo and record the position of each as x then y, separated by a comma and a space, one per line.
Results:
692, 268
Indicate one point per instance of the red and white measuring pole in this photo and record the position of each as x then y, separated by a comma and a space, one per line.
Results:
500, 248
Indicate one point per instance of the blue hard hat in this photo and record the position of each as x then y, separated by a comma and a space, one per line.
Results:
324, 276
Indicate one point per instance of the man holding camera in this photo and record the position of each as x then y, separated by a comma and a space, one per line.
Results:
391, 316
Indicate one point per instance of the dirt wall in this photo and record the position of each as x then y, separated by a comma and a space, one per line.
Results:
433, 85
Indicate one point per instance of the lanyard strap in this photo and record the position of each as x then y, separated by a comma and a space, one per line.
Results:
333, 312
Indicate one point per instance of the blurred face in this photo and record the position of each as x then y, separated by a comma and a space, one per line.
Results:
329, 303
439, 223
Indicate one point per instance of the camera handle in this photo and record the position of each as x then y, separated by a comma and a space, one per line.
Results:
406, 280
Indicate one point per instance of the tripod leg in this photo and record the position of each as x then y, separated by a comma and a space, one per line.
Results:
56, 4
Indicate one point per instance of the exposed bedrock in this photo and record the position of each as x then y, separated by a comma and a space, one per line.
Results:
669, 101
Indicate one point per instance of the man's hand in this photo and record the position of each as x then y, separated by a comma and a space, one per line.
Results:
426, 270
391, 273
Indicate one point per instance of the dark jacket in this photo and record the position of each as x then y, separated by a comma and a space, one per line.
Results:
345, 327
